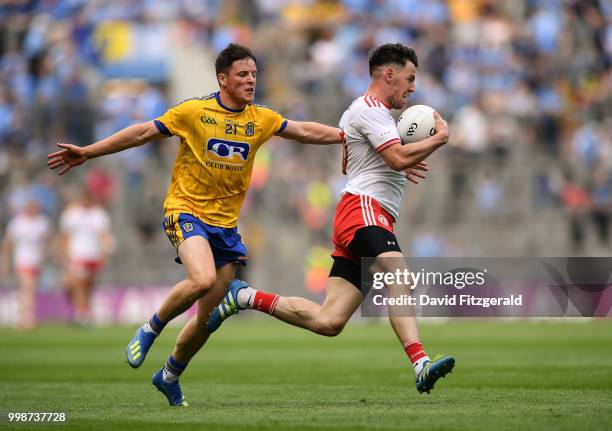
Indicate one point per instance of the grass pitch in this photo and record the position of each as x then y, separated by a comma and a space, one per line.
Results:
259, 374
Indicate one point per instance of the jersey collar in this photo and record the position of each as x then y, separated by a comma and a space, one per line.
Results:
218, 97
383, 103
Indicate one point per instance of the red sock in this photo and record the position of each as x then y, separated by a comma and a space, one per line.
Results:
414, 350
265, 302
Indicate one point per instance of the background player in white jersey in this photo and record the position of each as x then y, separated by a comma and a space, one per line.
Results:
85, 243
27, 236
377, 166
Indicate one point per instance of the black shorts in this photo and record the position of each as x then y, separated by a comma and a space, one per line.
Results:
369, 241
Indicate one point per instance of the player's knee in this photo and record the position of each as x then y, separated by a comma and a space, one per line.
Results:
201, 284
331, 327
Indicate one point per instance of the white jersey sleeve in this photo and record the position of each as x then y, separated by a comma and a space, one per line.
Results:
378, 127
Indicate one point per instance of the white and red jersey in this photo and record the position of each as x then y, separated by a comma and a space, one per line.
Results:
368, 129
29, 235
84, 227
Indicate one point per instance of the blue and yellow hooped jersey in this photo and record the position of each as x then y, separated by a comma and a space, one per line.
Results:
215, 159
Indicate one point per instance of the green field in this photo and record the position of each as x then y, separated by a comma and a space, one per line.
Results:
256, 374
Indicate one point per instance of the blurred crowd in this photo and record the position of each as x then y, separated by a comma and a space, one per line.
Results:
525, 84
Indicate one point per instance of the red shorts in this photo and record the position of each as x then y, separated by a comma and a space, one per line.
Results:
352, 213
32, 271
85, 267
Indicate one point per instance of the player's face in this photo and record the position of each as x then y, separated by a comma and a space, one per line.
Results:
402, 85
240, 81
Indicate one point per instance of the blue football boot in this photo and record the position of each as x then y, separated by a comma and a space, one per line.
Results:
432, 371
228, 307
172, 391
137, 349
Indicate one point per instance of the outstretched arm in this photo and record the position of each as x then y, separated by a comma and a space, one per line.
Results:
132, 136
401, 157
311, 133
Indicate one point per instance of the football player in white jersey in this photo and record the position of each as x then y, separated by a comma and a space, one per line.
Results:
377, 166
86, 243
28, 236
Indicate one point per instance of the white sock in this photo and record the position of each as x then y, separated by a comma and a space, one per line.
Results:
147, 328
246, 297
169, 376
418, 365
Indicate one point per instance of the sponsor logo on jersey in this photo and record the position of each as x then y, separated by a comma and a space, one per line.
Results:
228, 152
208, 120
187, 227
249, 128
383, 220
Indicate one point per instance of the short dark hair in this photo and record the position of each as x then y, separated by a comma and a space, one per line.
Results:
233, 52
391, 53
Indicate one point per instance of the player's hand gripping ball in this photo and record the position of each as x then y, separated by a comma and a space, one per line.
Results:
416, 123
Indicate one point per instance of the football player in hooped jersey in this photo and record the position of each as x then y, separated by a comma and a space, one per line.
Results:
219, 135
377, 167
